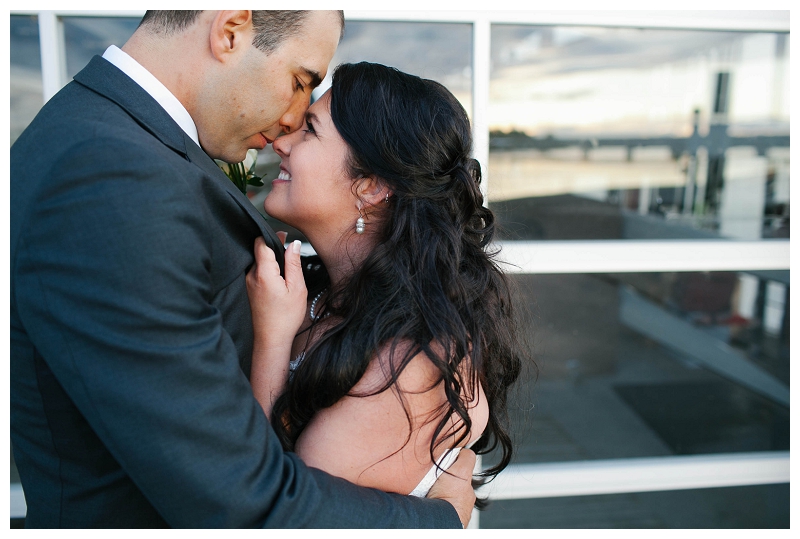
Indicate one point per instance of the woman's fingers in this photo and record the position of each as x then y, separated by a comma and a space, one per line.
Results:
292, 268
266, 272
265, 266
277, 305
265, 257
455, 486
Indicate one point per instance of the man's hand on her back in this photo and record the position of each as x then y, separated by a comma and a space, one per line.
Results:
455, 486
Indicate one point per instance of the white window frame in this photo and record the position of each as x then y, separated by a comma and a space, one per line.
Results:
526, 257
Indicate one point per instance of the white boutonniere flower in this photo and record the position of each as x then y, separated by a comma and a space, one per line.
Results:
243, 174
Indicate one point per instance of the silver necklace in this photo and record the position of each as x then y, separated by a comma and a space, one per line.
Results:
314, 306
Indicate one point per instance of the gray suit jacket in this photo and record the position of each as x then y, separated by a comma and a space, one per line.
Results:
131, 334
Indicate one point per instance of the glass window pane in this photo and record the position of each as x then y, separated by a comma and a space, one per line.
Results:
759, 506
25, 72
88, 36
653, 364
437, 51
613, 133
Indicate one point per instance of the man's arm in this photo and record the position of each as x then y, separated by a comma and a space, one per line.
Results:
112, 284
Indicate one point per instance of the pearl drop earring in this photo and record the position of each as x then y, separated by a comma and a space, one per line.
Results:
360, 225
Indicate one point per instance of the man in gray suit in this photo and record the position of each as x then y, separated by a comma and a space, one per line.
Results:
130, 324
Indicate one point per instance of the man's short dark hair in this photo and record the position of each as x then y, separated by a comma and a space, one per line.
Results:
168, 22
271, 27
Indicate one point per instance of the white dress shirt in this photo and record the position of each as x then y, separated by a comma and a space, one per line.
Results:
155, 88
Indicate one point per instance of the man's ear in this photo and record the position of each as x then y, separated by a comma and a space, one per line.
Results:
230, 30
372, 190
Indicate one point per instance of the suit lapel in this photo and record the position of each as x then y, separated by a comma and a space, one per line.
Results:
200, 158
103, 77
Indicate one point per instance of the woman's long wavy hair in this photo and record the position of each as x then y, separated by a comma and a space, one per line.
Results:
431, 279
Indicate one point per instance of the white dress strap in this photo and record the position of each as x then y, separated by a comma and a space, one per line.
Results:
445, 461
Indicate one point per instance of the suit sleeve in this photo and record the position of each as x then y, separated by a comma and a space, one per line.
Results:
112, 283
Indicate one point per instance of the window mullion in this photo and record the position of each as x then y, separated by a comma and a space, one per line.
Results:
481, 41
51, 42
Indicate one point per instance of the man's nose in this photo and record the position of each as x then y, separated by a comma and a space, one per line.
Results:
293, 119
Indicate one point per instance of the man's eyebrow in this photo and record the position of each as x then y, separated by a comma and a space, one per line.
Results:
316, 80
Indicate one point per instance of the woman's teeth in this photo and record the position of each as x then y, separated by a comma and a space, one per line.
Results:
285, 176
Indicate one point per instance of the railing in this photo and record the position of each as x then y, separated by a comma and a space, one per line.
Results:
583, 478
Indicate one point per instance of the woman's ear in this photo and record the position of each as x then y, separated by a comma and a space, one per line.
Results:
372, 191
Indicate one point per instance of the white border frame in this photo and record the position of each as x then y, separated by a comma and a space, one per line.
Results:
727, 20
582, 477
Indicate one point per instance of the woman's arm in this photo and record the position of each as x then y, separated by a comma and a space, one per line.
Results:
366, 439
278, 306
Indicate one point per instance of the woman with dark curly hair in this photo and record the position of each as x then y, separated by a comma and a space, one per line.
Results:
402, 348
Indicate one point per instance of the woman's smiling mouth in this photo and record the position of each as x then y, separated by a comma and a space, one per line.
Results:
283, 177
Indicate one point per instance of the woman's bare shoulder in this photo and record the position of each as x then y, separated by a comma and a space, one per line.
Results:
380, 434
421, 387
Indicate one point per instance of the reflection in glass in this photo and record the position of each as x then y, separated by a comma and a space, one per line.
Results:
650, 133
88, 36
437, 51
760, 506
654, 364
25, 73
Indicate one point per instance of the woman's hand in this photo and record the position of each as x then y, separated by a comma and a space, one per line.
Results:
456, 486
278, 307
